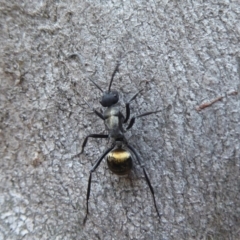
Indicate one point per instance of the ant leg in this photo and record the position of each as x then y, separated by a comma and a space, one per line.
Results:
146, 177
128, 106
90, 176
94, 110
93, 136
132, 121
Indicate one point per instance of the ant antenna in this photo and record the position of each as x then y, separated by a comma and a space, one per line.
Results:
95, 84
114, 72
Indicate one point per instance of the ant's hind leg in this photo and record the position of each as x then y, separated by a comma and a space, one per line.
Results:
146, 177
90, 176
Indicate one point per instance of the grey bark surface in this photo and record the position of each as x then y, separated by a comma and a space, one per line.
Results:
183, 54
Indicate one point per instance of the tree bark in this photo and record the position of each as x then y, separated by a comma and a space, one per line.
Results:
186, 58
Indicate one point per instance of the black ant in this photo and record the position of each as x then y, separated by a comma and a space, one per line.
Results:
119, 155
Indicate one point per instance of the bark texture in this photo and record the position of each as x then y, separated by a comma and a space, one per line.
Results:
186, 57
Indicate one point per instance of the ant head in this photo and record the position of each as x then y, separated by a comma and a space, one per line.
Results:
109, 98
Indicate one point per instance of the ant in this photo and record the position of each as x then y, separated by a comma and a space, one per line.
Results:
119, 155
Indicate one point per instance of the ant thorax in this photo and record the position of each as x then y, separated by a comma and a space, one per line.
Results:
113, 121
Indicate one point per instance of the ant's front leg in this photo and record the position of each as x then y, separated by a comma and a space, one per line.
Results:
94, 110
92, 135
128, 106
